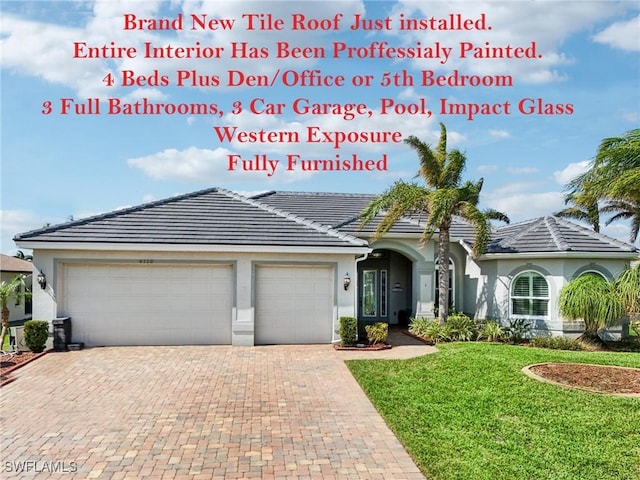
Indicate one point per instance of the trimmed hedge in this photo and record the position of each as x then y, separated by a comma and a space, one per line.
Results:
348, 331
36, 333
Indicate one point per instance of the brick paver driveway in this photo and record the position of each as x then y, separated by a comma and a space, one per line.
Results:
291, 412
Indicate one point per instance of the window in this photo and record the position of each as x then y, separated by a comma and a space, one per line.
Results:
451, 285
369, 298
530, 295
383, 293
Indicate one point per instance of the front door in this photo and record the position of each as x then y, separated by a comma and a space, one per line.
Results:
373, 295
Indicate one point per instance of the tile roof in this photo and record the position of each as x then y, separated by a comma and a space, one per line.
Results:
219, 217
214, 217
13, 264
553, 234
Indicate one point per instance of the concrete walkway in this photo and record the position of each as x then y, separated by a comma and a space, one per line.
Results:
275, 412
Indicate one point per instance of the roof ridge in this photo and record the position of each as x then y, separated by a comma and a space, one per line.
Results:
510, 239
326, 229
596, 235
316, 194
115, 213
556, 234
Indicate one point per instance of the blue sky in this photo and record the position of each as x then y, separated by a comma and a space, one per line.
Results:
56, 166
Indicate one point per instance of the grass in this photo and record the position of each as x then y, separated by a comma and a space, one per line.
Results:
468, 412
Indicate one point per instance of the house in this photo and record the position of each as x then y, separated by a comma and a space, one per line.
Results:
9, 268
215, 267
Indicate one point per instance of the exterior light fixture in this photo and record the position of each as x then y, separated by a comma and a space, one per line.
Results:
398, 287
42, 280
346, 281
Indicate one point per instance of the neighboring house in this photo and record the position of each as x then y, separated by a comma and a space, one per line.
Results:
9, 268
214, 267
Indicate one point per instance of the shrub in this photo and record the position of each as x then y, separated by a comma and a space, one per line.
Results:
377, 333
518, 329
460, 327
556, 343
36, 333
635, 327
491, 330
418, 326
348, 331
437, 332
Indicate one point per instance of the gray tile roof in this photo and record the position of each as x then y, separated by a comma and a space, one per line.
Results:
219, 217
553, 234
213, 217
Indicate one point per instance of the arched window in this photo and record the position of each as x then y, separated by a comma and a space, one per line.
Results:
529, 295
452, 290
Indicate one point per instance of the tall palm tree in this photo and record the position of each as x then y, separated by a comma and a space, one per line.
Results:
611, 183
442, 198
583, 207
13, 290
23, 256
624, 209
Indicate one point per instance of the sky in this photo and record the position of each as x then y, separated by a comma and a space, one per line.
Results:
579, 82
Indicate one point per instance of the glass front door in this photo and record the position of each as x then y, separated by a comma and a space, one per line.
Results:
373, 295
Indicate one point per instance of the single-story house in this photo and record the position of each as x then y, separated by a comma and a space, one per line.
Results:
215, 267
9, 268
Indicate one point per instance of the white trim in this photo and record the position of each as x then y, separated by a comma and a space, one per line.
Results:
172, 247
529, 297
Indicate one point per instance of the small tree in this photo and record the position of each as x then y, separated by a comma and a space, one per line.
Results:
12, 291
628, 285
593, 300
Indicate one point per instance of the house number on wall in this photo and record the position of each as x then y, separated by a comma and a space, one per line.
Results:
145, 260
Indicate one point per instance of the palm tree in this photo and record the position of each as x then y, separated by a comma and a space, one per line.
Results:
595, 301
442, 198
628, 286
583, 207
612, 180
624, 209
22, 256
13, 290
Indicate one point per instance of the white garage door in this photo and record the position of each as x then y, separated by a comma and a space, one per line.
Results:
161, 304
294, 304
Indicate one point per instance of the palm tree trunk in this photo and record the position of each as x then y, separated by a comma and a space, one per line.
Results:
443, 272
5, 325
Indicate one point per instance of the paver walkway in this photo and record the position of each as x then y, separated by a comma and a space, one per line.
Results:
274, 412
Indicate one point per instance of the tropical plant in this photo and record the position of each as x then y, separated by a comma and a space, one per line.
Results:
13, 290
443, 197
628, 286
23, 256
437, 332
491, 330
634, 325
583, 207
611, 182
518, 330
461, 327
377, 333
418, 326
556, 343
594, 300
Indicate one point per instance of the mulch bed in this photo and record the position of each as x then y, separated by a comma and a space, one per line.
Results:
364, 348
9, 364
594, 378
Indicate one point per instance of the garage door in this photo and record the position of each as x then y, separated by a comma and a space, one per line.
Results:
133, 304
294, 304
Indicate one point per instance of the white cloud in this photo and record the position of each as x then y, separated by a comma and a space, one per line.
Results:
524, 205
571, 171
512, 23
622, 35
13, 222
487, 168
499, 134
522, 170
204, 165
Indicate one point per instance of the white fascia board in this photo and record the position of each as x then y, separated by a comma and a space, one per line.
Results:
160, 247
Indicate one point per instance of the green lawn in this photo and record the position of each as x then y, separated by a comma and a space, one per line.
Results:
469, 413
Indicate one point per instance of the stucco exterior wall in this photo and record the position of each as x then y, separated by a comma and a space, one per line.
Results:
45, 302
489, 281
